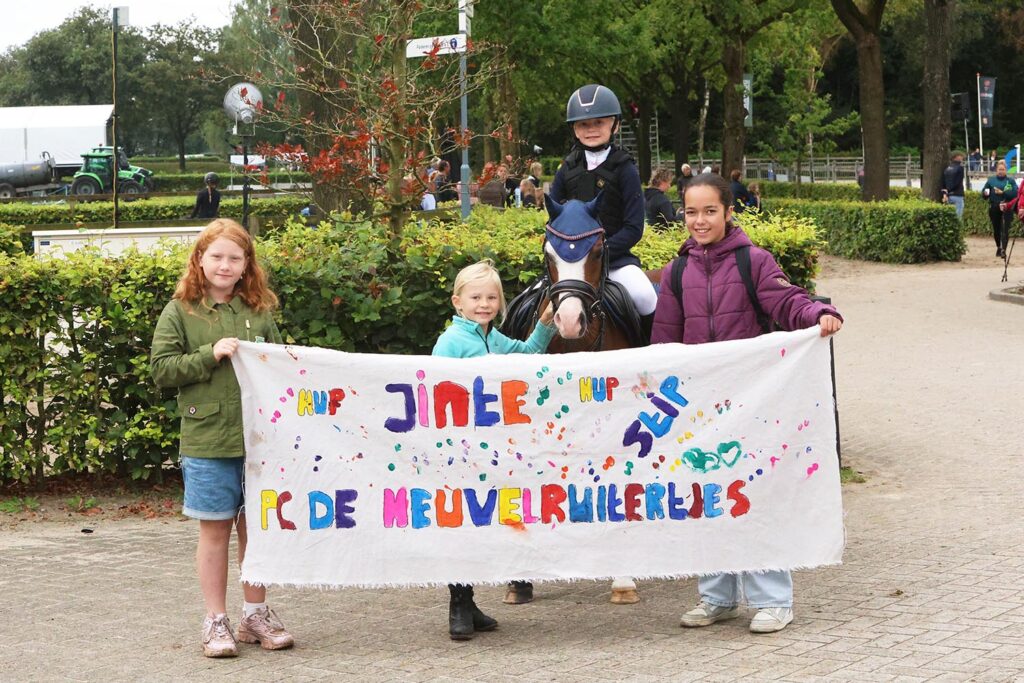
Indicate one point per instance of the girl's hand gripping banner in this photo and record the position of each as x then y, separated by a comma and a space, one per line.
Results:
665, 461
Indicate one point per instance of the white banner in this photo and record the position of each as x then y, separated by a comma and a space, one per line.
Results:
666, 461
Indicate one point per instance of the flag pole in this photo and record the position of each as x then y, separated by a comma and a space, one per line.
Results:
981, 140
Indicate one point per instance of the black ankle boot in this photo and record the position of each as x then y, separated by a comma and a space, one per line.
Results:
646, 323
460, 612
519, 593
481, 622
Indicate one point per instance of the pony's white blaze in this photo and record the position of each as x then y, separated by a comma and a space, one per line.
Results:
570, 317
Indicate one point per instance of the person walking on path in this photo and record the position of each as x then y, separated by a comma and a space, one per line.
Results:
221, 297
953, 183
1000, 190
208, 198
712, 302
478, 299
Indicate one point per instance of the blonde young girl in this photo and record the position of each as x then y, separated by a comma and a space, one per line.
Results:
478, 299
221, 297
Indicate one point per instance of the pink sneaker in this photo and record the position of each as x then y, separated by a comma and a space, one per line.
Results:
265, 628
218, 640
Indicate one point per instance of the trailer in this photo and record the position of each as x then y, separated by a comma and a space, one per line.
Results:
62, 132
26, 177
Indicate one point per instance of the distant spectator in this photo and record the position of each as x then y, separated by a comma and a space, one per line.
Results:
536, 171
754, 198
974, 161
685, 176
992, 160
528, 194
208, 198
660, 213
953, 184
716, 169
510, 184
740, 194
444, 187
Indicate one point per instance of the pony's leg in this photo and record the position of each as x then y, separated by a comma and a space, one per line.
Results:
624, 591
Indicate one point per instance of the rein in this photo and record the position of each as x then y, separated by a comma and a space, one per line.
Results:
583, 290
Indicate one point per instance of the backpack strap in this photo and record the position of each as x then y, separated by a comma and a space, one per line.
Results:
743, 263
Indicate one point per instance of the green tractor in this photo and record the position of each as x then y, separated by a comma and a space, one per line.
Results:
96, 174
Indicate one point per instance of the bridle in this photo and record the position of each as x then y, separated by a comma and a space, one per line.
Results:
590, 296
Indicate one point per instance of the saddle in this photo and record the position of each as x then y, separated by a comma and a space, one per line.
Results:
523, 311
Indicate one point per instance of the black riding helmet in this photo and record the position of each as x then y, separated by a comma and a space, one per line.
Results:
211, 178
593, 102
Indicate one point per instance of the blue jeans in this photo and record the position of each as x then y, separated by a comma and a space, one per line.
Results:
761, 589
958, 204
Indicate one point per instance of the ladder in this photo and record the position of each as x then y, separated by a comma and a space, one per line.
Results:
626, 139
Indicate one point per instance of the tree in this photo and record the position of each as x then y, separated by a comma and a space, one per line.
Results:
180, 78
865, 28
935, 88
71, 64
799, 48
361, 111
739, 21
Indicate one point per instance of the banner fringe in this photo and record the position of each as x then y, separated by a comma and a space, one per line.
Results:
502, 582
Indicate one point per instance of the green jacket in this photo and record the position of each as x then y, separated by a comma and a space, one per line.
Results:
209, 399
1007, 185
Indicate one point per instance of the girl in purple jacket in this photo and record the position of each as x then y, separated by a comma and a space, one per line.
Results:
718, 308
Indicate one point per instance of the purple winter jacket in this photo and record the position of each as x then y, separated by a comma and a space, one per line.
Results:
716, 301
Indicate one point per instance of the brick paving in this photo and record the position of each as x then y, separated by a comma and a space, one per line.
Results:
931, 382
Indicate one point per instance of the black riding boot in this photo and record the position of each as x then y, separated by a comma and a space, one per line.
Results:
481, 622
646, 322
519, 593
460, 612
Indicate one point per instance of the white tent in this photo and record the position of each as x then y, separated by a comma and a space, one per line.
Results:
63, 131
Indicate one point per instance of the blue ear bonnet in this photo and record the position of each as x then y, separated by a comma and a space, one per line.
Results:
573, 228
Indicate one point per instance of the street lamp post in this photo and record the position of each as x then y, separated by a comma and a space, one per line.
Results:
242, 103
119, 16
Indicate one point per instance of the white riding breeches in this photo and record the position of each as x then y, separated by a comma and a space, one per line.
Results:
639, 287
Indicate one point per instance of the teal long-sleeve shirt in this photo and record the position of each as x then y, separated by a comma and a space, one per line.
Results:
1007, 185
466, 339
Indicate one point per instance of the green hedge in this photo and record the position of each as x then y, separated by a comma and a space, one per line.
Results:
896, 231
975, 219
75, 333
159, 208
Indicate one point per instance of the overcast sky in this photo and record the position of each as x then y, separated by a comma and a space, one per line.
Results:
22, 20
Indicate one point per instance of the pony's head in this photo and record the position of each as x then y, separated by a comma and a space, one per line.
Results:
574, 254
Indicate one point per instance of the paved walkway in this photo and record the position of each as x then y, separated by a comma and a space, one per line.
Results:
931, 382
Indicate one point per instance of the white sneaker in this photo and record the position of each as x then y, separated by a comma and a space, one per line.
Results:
771, 619
705, 615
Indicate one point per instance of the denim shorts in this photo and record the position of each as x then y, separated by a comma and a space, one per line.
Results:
214, 487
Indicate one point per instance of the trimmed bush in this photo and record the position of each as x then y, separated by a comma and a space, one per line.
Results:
975, 219
11, 239
75, 333
160, 208
897, 231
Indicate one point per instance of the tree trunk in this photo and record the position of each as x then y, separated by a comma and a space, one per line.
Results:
935, 85
508, 105
702, 126
872, 116
397, 148
865, 27
643, 140
680, 102
734, 134
181, 153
